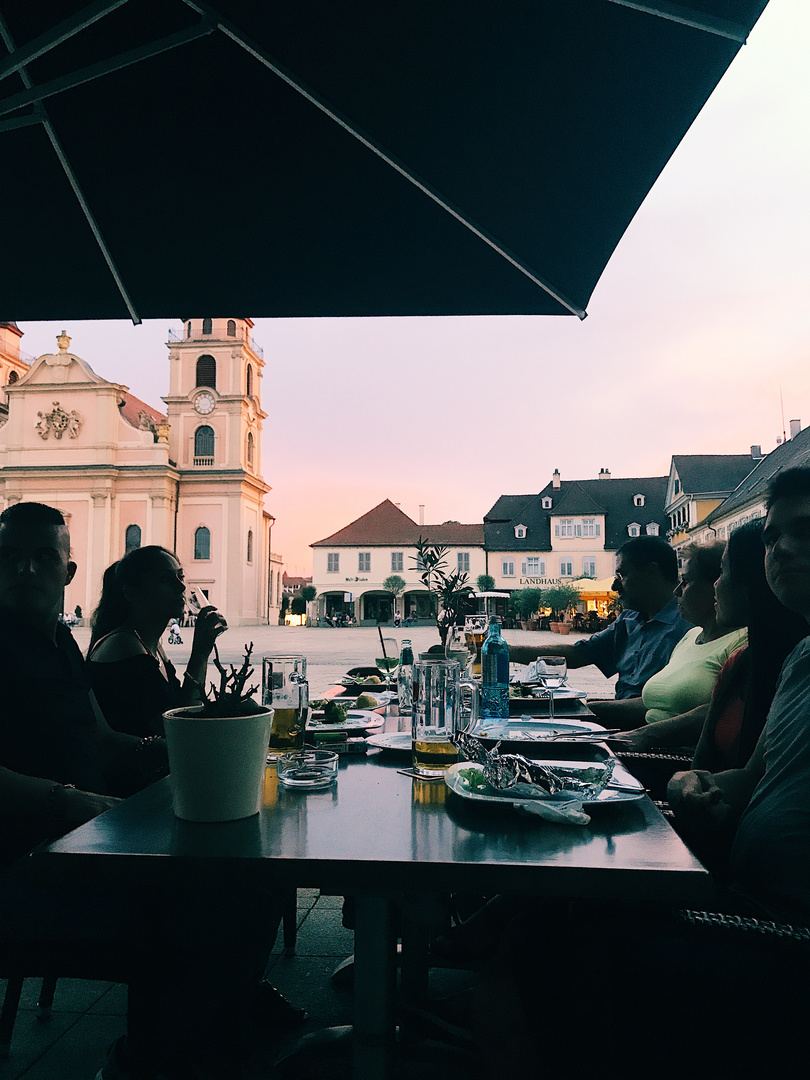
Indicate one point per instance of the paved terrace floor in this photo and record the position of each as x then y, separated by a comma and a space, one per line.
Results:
88, 1016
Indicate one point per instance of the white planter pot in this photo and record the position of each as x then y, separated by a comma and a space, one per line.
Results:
217, 763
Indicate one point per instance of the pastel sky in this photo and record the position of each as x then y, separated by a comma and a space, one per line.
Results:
698, 324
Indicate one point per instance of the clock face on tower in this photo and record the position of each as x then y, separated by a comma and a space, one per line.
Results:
204, 404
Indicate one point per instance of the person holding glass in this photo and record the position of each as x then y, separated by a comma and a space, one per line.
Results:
131, 676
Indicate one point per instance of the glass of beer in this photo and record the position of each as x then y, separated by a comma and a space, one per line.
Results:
435, 715
286, 690
475, 630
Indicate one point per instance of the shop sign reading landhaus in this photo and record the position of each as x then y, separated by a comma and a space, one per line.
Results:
541, 581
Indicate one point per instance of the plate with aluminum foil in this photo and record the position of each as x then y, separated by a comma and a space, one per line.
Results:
467, 780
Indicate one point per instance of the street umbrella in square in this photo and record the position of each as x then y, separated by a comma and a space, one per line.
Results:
337, 157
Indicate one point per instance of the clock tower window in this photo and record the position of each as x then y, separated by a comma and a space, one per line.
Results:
231, 328
133, 537
249, 380
207, 371
204, 445
206, 326
251, 449
202, 543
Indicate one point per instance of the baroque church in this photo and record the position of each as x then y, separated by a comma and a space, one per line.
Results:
125, 474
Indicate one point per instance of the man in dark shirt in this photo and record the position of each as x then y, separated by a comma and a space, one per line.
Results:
60, 763
640, 642
195, 957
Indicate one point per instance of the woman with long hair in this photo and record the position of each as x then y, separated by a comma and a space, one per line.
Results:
747, 683
674, 702
133, 679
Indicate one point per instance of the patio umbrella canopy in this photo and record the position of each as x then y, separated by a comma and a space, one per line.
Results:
337, 157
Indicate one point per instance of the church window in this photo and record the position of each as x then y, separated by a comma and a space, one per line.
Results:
12, 377
132, 537
249, 380
188, 329
207, 326
202, 543
207, 371
204, 445
251, 450
250, 545
231, 328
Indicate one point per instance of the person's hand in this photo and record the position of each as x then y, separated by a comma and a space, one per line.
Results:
209, 625
696, 796
638, 740
72, 807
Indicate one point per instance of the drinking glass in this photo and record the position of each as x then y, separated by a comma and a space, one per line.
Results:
387, 665
551, 672
435, 715
475, 630
285, 689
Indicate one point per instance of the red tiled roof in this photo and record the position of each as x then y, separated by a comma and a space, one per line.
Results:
133, 407
294, 582
386, 524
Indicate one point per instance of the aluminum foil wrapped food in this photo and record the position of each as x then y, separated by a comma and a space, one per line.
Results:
521, 776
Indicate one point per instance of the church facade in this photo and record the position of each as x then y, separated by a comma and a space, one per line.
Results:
125, 474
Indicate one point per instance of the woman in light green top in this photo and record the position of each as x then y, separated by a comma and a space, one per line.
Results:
674, 702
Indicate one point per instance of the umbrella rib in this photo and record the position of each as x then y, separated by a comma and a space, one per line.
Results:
74, 183
688, 17
104, 67
63, 32
259, 54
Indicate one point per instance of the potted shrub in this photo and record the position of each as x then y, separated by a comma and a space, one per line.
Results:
218, 749
452, 592
526, 603
560, 598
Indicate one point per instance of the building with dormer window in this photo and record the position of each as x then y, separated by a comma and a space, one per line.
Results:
571, 529
126, 474
698, 484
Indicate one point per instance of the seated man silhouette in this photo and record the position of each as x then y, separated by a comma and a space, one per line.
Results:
640, 641
194, 955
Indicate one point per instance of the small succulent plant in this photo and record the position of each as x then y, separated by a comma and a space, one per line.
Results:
231, 698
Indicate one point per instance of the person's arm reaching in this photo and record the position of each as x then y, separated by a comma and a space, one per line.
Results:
525, 654
624, 712
58, 807
681, 730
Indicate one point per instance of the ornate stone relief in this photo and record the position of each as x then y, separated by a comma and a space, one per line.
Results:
57, 422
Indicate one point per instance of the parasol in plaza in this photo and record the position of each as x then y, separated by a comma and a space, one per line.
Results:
318, 158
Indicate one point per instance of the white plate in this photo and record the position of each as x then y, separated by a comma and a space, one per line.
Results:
609, 795
399, 741
516, 729
356, 720
561, 693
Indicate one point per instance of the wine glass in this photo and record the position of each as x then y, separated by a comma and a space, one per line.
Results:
387, 665
551, 671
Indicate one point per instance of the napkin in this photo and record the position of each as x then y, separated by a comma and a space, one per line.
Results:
567, 812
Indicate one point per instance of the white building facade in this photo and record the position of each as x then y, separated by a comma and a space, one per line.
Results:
126, 475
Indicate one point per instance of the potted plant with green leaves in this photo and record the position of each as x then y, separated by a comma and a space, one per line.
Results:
453, 595
218, 749
526, 603
560, 598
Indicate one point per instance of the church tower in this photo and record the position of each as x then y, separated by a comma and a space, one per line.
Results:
215, 417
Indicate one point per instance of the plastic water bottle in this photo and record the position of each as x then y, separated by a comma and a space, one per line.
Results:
405, 680
494, 675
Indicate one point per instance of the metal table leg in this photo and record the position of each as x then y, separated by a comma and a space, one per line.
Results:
375, 975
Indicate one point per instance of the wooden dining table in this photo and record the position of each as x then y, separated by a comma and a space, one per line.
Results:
382, 837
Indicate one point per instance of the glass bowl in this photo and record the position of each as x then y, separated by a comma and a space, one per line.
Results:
309, 769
